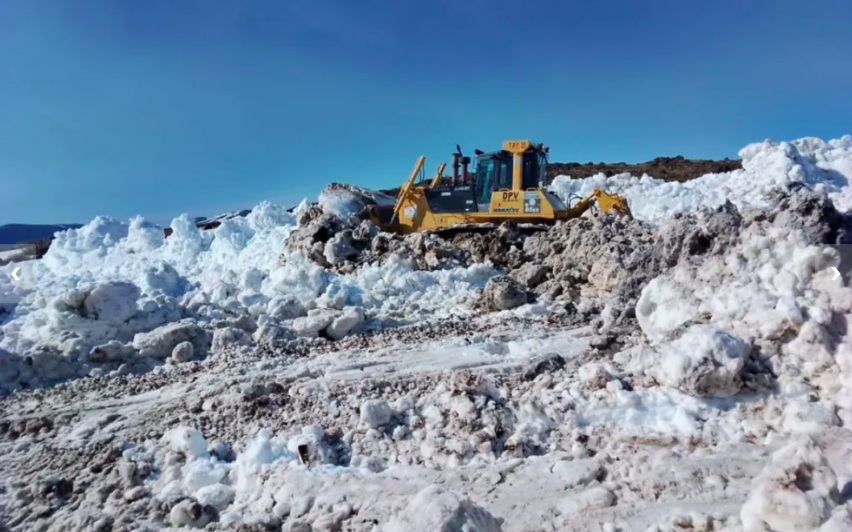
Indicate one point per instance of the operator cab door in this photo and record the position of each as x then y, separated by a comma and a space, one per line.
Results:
535, 170
493, 173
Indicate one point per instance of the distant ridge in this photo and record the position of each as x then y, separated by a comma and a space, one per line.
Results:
20, 233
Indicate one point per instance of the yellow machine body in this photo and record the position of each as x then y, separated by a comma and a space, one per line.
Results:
433, 205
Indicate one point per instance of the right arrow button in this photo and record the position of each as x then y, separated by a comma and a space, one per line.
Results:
836, 274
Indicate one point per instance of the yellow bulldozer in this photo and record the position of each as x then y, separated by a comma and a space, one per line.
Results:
506, 186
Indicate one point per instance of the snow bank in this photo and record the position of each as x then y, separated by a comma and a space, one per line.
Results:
815, 163
111, 290
108, 282
767, 305
768, 283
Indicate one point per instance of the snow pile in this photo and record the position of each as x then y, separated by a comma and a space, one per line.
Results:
812, 162
772, 290
268, 482
110, 290
797, 491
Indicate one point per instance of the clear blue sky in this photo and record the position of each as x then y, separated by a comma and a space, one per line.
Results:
160, 107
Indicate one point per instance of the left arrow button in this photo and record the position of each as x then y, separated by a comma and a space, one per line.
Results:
15, 274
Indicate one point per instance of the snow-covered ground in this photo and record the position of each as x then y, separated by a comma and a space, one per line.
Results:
694, 373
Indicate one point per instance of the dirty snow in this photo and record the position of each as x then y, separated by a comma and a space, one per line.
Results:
690, 374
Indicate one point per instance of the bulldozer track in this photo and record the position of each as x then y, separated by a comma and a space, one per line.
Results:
456, 230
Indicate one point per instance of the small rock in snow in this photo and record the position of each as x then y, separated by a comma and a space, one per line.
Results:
530, 274
504, 293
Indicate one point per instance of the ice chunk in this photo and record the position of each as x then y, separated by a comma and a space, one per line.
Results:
663, 306
704, 362
315, 322
375, 413
217, 495
202, 473
112, 351
113, 302
350, 318
188, 441
160, 342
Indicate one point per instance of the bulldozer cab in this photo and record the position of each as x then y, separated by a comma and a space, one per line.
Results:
497, 171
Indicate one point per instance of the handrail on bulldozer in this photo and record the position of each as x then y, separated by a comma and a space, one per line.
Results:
438, 175
418, 166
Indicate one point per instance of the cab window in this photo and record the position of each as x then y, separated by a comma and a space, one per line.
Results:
505, 180
530, 178
535, 169
485, 169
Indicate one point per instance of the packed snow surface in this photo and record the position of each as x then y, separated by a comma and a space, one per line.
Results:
817, 164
